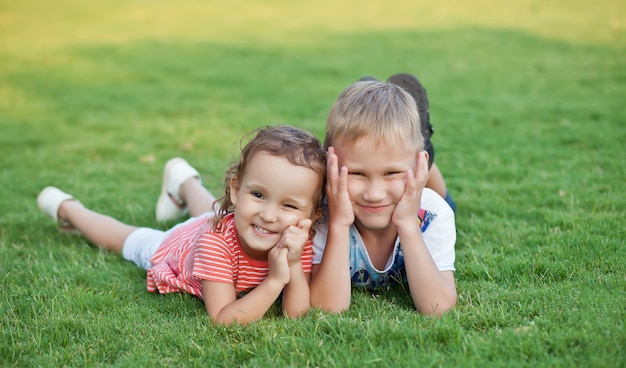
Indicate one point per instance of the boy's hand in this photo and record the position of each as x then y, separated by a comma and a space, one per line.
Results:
339, 204
294, 238
408, 207
279, 266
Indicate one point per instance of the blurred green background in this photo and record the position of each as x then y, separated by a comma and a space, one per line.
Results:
527, 103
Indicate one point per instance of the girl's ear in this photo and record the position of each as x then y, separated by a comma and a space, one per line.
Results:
234, 190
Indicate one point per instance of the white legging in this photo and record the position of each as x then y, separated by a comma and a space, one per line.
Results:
141, 244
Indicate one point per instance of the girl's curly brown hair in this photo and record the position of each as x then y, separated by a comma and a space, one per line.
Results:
298, 146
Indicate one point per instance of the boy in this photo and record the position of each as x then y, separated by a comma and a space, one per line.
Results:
383, 225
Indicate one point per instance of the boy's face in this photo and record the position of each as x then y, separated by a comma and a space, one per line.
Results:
376, 178
272, 195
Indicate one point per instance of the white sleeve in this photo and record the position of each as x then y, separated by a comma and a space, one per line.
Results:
440, 236
319, 240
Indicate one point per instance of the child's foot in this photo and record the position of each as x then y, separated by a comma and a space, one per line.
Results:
170, 205
49, 201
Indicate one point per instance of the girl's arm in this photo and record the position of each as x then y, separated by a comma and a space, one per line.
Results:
222, 305
297, 296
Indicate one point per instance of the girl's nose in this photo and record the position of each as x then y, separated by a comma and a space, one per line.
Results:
268, 214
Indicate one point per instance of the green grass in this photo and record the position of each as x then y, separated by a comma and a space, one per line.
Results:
527, 102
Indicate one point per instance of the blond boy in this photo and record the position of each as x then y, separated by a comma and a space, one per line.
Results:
382, 225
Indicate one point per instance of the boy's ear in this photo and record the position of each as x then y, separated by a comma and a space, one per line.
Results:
426, 155
417, 159
234, 190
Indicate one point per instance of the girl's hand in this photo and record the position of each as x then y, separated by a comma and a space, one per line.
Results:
339, 205
408, 207
294, 238
279, 266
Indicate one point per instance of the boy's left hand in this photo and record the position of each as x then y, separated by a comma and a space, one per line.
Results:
409, 204
294, 238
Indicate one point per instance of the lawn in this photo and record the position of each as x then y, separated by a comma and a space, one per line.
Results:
527, 100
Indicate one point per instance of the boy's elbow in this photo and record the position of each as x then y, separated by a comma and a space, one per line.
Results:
336, 302
226, 322
439, 309
331, 306
446, 307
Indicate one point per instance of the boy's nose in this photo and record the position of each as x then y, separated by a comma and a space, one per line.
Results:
375, 191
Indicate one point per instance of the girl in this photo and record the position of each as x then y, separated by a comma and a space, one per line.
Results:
241, 259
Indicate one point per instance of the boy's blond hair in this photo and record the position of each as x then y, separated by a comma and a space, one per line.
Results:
375, 109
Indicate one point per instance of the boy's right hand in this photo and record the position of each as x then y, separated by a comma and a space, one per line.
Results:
339, 205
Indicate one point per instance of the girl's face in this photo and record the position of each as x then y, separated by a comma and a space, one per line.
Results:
272, 195
376, 179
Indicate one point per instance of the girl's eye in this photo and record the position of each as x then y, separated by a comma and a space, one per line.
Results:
291, 206
257, 194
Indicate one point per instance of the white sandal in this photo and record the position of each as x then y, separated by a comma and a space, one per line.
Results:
49, 201
170, 205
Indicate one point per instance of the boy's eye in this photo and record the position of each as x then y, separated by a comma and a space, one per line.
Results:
393, 173
356, 174
291, 206
257, 194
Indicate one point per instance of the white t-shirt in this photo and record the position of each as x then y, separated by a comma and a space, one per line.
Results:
438, 228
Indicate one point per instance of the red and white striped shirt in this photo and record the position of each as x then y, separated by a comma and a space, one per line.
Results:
194, 252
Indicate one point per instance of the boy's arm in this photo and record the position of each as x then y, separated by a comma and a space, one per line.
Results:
433, 292
330, 283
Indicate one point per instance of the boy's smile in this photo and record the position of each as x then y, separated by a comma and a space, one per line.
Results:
374, 209
376, 178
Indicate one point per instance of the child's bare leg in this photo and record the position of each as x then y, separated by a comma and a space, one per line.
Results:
438, 184
436, 181
198, 198
102, 230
